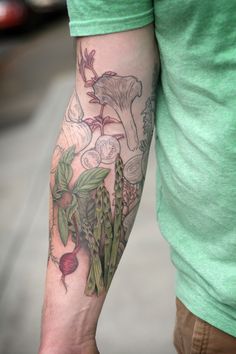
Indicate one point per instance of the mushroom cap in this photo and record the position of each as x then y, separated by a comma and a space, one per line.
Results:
117, 91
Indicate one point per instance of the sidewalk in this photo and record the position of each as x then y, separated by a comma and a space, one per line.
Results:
138, 315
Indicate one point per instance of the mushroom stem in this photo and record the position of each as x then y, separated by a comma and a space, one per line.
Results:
119, 92
130, 129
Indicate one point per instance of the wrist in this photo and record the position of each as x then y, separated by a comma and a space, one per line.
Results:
69, 323
88, 346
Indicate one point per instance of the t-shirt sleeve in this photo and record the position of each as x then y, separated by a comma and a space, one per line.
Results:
91, 17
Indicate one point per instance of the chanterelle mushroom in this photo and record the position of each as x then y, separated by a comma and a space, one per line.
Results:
119, 93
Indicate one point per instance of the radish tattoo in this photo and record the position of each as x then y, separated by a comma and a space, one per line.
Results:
68, 264
95, 210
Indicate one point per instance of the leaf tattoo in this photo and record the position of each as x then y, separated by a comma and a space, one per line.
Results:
90, 179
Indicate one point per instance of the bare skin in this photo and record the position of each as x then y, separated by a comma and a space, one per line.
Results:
97, 175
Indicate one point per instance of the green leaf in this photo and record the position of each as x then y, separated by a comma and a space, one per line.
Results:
70, 210
90, 179
83, 195
64, 171
63, 176
90, 211
63, 226
87, 208
56, 194
68, 155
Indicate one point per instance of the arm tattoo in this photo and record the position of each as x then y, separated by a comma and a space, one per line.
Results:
83, 211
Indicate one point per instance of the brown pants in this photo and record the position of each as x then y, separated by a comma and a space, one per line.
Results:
195, 336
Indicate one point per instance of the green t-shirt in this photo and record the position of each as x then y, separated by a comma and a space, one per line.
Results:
195, 138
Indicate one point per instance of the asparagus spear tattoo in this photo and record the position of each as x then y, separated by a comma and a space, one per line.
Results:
98, 279
108, 232
118, 217
95, 279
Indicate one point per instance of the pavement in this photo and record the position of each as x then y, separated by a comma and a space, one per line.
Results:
138, 315
28, 63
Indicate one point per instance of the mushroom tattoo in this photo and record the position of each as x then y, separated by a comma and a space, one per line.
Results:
119, 92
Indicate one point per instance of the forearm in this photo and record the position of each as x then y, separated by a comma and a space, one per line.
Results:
97, 175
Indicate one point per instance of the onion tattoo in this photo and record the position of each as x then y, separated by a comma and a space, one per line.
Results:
108, 148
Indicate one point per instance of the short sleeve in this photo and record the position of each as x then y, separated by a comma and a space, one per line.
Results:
92, 17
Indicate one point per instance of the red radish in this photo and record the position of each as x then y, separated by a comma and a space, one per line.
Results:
68, 264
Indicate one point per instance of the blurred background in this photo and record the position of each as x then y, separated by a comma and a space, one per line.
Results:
36, 77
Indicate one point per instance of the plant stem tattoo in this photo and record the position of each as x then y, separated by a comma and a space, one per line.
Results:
84, 212
118, 92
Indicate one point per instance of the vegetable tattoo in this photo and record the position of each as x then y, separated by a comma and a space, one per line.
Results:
88, 212
119, 93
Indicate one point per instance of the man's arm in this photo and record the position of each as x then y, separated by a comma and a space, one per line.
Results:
97, 175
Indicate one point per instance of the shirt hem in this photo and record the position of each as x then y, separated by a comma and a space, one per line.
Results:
88, 28
200, 305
